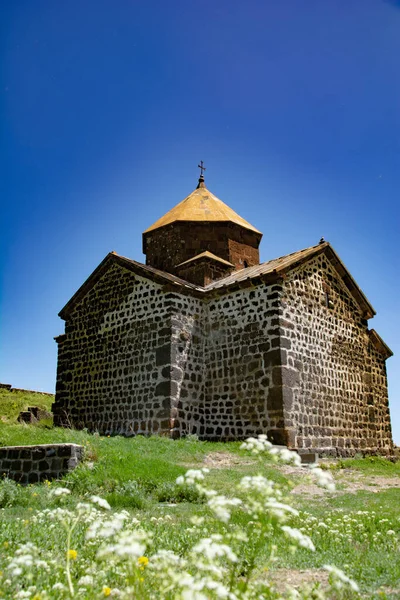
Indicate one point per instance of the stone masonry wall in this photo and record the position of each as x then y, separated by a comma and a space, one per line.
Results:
203, 272
242, 392
169, 246
30, 464
113, 370
292, 359
335, 381
188, 373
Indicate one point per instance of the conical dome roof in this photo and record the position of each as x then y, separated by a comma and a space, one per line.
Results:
201, 205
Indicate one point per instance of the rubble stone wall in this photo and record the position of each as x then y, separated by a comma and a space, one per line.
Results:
335, 380
113, 368
243, 394
189, 337
30, 464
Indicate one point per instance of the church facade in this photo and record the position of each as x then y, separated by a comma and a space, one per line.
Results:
205, 340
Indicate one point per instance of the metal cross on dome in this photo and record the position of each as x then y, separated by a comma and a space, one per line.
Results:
202, 168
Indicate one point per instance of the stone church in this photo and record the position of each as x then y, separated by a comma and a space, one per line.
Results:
205, 340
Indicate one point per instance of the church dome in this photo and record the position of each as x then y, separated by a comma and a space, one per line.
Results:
201, 205
196, 229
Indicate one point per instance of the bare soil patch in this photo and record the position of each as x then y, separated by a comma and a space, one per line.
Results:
347, 480
222, 460
296, 578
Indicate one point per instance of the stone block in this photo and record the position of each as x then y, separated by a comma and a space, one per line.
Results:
308, 457
163, 389
272, 358
163, 355
274, 398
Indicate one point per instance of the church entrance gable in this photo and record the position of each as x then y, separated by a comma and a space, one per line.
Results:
114, 361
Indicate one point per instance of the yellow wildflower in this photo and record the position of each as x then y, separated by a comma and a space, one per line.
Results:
6, 544
143, 561
106, 590
72, 554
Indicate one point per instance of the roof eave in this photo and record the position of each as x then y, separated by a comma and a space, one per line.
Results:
155, 227
136, 268
85, 287
379, 344
355, 290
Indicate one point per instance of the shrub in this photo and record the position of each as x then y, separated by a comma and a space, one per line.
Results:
171, 492
128, 495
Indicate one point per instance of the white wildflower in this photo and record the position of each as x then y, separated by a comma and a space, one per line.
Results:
341, 578
324, 478
165, 559
129, 544
192, 476
303, 540
279, 509
286, 456
23, 594
100, 502
59, 586
257, 445
220, 506
196, 520
257, 483
84, 507
60, 491
211, 548
86, 580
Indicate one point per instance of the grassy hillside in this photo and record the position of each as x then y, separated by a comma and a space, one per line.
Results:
12, 403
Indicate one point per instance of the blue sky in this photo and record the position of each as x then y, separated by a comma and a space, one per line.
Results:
107, 108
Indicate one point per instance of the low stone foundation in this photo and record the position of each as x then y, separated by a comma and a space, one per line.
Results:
31, 464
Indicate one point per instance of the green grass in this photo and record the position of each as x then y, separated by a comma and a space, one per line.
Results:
138, 474
370, 465
362, 557
12, 403
152, 464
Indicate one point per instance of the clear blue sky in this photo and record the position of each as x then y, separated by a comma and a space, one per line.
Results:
107, 108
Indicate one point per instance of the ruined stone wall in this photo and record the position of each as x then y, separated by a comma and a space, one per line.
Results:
31, 464
335, 380
243, 394
167, 247
113, 370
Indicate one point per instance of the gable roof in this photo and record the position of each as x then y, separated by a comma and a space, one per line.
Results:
277, 267
206, 255
201, 205
127, 263
269, 271
379, 344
